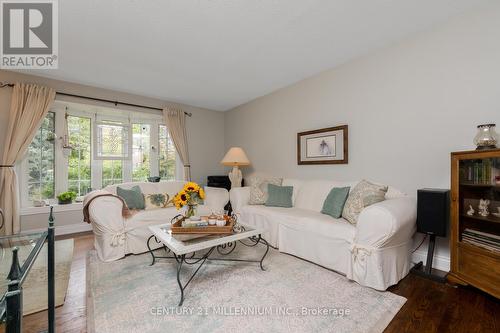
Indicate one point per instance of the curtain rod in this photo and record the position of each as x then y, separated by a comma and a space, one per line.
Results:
189, 114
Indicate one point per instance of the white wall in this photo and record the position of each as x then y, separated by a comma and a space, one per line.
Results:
407, 106
205, 133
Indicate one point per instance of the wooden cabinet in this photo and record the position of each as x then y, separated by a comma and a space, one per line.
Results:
475, 176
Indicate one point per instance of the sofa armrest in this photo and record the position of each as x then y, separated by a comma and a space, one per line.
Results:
239, 196
216, 198
106, 214
387, 223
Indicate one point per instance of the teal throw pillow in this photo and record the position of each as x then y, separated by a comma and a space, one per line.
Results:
334, 202
279, 196
133, 197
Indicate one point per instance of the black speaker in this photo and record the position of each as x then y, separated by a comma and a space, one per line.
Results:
433, 215
433, 211
219, 181
222, 182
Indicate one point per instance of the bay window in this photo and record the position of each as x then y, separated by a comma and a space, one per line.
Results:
108, 146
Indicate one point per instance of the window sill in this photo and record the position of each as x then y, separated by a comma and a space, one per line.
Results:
46, 209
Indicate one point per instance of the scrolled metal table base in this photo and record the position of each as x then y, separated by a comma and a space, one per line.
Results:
192, 259
151, 251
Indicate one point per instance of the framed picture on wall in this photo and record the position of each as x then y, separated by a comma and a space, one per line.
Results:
323, 146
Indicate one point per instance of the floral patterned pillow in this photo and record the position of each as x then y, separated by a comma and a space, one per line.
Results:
157, 200
258, 189
362, 195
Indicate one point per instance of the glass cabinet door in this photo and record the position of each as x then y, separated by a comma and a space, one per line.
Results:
479, 203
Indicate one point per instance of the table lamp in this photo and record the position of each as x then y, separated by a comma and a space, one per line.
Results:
235, 157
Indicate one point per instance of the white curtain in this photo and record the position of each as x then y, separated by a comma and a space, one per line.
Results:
175, 119
29, 105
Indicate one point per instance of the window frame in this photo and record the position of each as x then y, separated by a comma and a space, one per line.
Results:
89, 117
126, 144
60, 110
149, 149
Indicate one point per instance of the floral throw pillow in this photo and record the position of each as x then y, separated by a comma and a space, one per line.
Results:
362, 195
156, 200
258, 189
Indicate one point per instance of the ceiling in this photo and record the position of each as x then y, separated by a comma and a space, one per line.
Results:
219, 54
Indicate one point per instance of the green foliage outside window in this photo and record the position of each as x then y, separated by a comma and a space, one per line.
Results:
41, 161
79, 161
112, 172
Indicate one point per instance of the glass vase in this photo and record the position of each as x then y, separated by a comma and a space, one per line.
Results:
190, 210
486, 137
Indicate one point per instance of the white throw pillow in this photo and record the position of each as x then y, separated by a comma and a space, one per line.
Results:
362, 195
258, 189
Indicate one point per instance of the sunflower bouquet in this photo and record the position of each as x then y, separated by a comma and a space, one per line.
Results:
191, 195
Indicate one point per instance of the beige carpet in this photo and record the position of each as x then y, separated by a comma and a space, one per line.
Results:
35, 287
128, 295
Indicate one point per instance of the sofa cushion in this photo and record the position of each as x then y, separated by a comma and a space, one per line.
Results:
303, 220
132, 197
334, 202
321, 225
151, 217
279, 196
363, 195
258, 189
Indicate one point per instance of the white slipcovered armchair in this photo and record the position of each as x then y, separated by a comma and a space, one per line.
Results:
117, 235
375, 252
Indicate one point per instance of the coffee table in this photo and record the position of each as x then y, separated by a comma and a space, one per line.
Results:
196, 251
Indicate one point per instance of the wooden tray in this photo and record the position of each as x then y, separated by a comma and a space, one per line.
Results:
177, 228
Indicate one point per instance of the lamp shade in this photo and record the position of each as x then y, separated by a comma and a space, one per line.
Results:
235, 157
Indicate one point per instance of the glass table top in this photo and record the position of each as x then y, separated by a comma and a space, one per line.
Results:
182, 244
26, 244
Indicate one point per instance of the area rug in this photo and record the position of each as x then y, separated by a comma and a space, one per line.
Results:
35, 292
292, 295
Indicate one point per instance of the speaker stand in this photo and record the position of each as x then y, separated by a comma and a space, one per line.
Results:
426, 271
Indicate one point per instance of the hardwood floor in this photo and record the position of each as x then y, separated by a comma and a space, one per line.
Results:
431, 306
70, 317
437, 307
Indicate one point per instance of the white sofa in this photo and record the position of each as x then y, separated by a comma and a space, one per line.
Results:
116, 236
375, 252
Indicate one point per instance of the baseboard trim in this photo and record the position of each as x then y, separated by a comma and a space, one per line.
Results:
439, 262
65, 229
